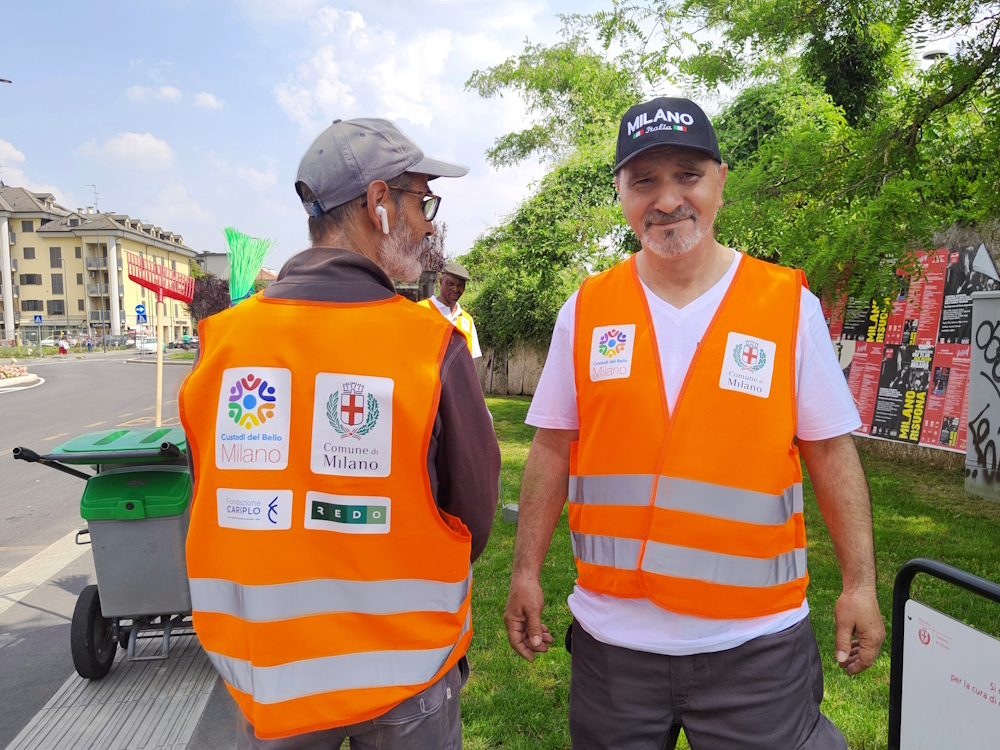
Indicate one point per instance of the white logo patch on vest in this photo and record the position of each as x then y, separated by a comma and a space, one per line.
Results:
347, 514
611, 352
256, 510
747, 365
251, 425
352, 425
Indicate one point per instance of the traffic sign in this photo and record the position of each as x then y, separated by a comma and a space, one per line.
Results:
38, 320
140, 309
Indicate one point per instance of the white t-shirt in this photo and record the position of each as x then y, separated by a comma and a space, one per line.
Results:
453, 317
825, 410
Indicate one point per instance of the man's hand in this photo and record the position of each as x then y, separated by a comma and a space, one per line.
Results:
860, 630
523, 618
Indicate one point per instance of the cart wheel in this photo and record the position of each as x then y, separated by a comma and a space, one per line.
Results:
90, 638
123, 631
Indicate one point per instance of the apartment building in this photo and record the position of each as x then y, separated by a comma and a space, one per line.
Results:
69, 267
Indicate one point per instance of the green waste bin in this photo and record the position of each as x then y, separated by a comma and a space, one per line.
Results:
138, 519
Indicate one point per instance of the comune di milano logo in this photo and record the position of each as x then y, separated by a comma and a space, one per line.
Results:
352, 425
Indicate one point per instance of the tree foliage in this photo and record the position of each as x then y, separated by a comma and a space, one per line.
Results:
846, 154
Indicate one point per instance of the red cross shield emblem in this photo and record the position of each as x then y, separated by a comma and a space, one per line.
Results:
352, 404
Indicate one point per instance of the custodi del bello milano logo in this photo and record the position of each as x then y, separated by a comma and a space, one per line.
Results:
612, 343
251, 401
350, 413
750, 356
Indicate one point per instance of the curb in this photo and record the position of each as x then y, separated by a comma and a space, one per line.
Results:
23, 380
174, 362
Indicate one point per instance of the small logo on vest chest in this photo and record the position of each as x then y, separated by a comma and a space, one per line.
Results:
747, 365
352, 425
611, 352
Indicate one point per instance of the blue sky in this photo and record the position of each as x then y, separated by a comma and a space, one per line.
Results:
194, 115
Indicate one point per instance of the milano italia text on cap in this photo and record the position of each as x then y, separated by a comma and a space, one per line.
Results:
665, 122
351, 154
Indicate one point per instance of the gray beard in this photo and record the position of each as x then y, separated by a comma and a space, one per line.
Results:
400, 255
670, 246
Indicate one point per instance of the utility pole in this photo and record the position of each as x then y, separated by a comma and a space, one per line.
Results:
105, 330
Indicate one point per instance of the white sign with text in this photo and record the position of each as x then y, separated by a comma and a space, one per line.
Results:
951, 683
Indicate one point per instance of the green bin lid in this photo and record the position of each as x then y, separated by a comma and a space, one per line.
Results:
129, 494
120, 441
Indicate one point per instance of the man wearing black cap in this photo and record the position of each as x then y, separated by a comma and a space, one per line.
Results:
679, 390
454, 277
342, 490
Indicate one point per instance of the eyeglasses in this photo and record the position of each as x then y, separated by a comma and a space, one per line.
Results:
429, 205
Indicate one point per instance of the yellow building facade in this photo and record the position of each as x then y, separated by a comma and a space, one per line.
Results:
70, 268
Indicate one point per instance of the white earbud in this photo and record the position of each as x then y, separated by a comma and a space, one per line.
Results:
384, 215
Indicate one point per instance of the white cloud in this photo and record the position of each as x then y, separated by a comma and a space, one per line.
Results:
142, 150
173, 203
315, 90
245, 174
14, 176
8, 153
162, 94
206, 100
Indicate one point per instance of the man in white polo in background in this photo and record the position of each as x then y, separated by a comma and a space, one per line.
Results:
680, 388
453, 280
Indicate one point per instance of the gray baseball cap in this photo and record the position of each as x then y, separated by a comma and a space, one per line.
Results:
351, 154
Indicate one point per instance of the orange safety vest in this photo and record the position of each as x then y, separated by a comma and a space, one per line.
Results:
327, 586
463, 323
699, 510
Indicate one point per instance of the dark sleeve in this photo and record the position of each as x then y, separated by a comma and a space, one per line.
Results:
464, 450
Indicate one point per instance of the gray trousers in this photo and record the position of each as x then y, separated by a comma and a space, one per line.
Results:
431, 719
763, 694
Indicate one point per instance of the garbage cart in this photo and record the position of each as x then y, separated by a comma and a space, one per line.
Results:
137, 508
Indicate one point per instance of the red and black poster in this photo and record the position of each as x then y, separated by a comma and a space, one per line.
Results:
948, 398
902, 392
970, 269
907, 358
863, 380
833, 311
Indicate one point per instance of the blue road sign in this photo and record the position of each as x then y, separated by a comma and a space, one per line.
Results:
38, 320
140, 309
140, 318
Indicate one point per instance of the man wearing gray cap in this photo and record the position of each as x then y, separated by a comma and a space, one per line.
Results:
346, 474
453, 280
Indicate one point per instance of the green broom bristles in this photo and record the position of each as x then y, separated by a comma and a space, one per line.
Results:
246, 257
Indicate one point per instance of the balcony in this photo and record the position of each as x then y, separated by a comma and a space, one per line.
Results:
97, 290
16, 290
98, 316
13, 265
101, 263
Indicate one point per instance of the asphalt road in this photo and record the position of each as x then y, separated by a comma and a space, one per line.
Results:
38, 508
39, 505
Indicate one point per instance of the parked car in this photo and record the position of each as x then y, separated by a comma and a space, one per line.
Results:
145, 344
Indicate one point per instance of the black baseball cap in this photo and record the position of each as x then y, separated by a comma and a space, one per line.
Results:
665, 121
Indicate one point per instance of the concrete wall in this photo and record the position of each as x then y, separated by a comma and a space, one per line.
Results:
513, 372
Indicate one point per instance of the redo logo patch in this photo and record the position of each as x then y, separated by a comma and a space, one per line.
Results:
347, 514
747, 365
352, 425
611, 352
251, 426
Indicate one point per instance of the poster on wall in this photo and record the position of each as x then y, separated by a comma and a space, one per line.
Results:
907, 358
970, 269
902, 392
948, 398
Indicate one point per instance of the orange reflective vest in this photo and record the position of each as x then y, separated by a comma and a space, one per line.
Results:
698, 510
463, 322
327, 586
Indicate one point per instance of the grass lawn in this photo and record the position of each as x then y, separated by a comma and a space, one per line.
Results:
181, 355
509, 703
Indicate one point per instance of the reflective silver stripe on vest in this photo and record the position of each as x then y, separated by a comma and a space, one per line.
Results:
325, 596
299, 679
611, 551
728, 502
611, 489
730, 570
